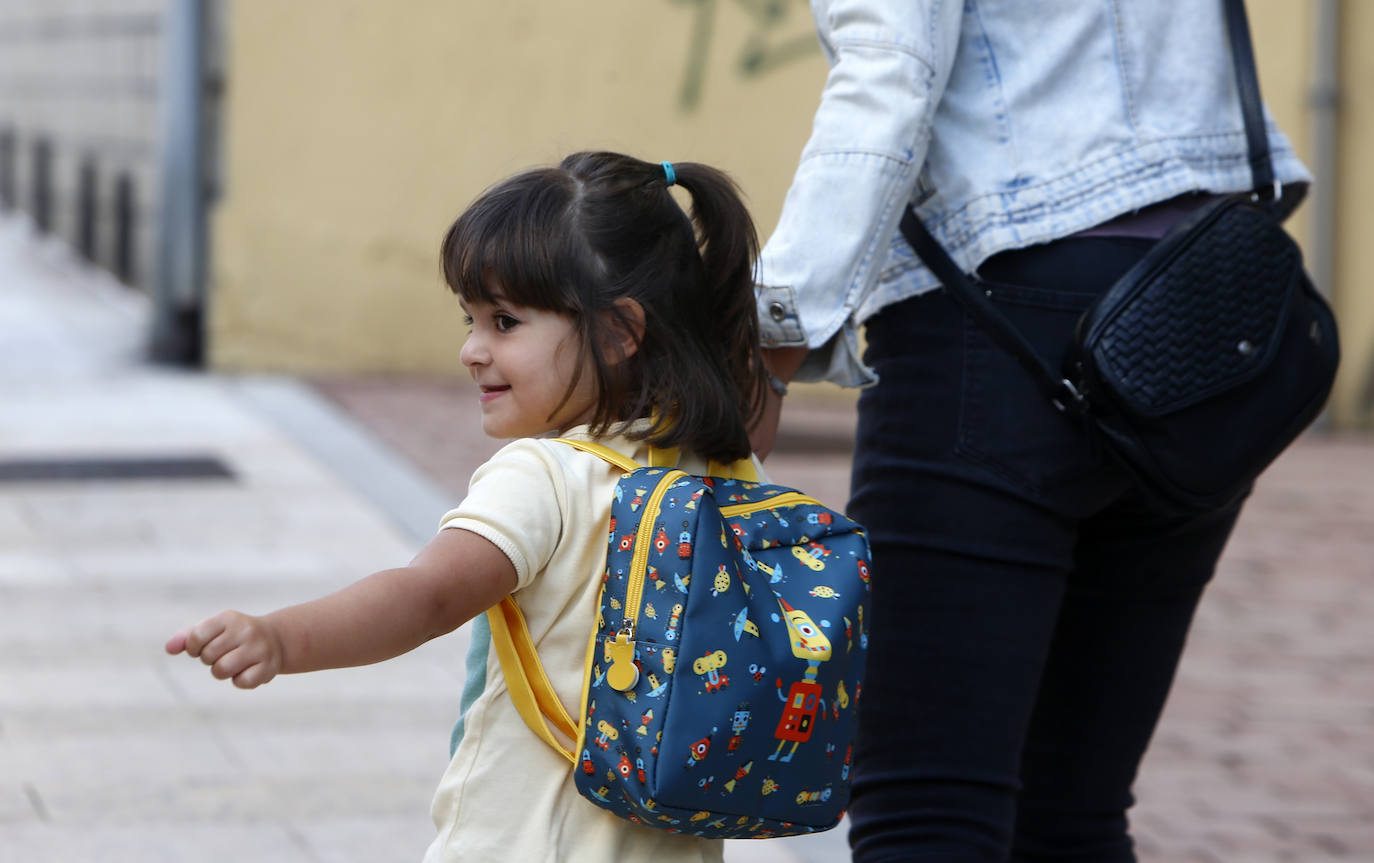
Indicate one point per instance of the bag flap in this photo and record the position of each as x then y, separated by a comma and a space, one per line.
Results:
1200, 314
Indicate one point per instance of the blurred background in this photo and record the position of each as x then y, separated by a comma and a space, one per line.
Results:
229, 376
277, 176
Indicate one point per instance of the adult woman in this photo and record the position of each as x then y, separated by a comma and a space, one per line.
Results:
1030, 604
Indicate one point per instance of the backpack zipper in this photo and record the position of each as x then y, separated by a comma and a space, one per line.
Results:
639, 564
623, 674
787, 498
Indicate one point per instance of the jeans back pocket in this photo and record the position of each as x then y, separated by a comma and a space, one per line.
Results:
1008, 426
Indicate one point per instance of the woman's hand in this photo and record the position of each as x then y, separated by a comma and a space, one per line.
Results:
765, 430
783, 364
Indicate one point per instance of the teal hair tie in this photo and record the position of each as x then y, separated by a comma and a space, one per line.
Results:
669, 173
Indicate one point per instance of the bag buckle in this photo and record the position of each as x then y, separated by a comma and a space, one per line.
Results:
1068, 399
1275, 194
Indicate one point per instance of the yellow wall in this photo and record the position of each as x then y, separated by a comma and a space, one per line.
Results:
1353, 276
1284, 34
355, 132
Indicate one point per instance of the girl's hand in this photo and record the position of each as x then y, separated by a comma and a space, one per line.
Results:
236, 646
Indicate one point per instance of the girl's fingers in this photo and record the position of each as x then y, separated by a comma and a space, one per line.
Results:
217, 649
232, 663
249, 666
253, 676
203, 635
204, 632
176, 644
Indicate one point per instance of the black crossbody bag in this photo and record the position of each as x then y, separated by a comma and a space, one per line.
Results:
1209, 356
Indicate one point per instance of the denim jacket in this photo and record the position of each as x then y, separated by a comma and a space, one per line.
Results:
1009, 123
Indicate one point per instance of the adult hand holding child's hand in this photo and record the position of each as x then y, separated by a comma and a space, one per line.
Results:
236, 646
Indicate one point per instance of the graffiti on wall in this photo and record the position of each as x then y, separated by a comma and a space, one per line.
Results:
778, 32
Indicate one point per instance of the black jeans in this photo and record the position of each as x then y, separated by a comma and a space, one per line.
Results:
1029, 605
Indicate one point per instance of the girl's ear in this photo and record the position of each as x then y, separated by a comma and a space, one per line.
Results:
624, 329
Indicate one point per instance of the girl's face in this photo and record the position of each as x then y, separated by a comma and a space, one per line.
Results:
523, 360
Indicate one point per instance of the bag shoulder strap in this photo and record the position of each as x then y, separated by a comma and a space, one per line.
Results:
743, 469
1251, 106
603, 452
1060, 391
529, 685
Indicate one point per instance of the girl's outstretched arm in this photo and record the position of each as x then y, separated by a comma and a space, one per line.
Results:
457, 576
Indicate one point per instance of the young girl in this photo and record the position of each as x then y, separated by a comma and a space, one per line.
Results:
598, 310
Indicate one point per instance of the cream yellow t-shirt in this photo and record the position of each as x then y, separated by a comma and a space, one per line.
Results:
506, 795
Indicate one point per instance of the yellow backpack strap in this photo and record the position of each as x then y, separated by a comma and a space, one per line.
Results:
664, 457
529, 686
626, 464
530, 689
743, 469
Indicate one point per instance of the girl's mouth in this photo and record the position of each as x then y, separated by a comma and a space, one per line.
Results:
489, 393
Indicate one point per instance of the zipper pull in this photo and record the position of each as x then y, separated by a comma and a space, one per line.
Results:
620, 653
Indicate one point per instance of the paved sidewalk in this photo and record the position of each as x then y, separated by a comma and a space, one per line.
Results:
111, 751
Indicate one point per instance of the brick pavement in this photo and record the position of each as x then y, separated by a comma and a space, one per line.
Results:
1265, 752
1266, 749
111, 751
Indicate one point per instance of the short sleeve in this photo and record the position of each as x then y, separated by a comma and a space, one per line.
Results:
516, 501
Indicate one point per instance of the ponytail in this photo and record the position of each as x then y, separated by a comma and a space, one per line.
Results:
728, 246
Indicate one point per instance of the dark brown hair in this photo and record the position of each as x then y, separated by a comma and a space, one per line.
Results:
601, 226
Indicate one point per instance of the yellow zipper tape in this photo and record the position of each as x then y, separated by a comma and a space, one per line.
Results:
639, 564
789, 498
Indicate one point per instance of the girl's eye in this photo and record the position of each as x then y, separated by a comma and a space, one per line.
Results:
505, 323
467, 321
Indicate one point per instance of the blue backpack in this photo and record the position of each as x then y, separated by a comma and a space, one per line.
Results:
727, 659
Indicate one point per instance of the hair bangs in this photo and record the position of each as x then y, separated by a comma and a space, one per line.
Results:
514, 244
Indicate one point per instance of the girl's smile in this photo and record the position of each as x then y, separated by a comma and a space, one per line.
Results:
524, 360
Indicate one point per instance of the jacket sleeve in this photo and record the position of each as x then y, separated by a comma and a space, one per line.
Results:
890, 61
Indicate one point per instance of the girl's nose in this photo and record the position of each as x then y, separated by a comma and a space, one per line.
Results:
473, 352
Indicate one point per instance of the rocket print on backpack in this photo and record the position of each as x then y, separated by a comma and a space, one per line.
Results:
726, 662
